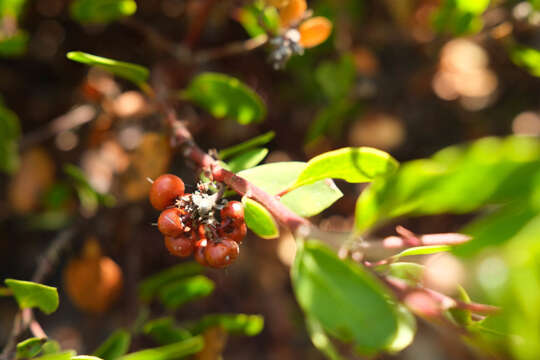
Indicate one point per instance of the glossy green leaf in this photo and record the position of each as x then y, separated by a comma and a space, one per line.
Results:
14, 45
307, 200
30, 295
259, 220
51, 347
181, 291
253, 15
30, 347
354, 165
246, 145
321, 341
9, 140
135, 73
249, 325
85, 357
164, 331
150, 286
336, 78
169, 352
405, 332
247, 160
323, 283
454, 180
101, 11
116, 345
225, 96
423, 250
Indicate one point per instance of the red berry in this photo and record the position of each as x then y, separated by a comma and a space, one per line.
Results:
233, 210
170, 223
200, 255
181, 246
165, 189
233, 230
221, 254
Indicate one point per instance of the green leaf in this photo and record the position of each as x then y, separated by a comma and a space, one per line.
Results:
14, 45
251, 16
169, 352
461, 316
408, 271
259, 220
460, 17
247, 159
336, 78
526, 57
11, 8
323, 283
164, 331
30, 294
305, 201
150, 286
101, 11
30, 347
181, 291
321, 341
454, 180
9, 139
354, 165
135, 73
249, 325
116, 345
51, 347
423, 250
85, 357
225, 96
246, 145
65, 355
405, 332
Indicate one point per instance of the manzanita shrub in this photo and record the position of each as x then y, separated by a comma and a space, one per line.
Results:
360, 294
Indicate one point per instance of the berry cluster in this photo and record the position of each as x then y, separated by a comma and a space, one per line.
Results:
191, 225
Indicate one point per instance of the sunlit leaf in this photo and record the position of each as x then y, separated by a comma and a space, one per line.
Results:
405, 332
259, 220
30, 294
526, 57
181, 291
135, 73
65, 355
423, 250
225, 96
168, 352
252, 15
249, 325
247, 160
321, 341
116, 345
246, 145
29, 347
101, 11
307, 200
408, 271
460, 16
361, 164
323, 283
150, 286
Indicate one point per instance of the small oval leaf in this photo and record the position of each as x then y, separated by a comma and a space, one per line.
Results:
30, 294
169, 352
116, 345
30, 347
246, 145
259, 220
247, 159
406, 330
135, 73
178, 293
249, 325
350, 164
424, 250
323, 283
151, 285
225, 96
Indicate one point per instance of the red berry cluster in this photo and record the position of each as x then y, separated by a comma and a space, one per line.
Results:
190, 225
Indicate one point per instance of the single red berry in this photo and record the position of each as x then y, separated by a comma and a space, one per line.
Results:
233, 210
200, 255
170, 223
164, 191
181, 246
221, 254
233, 230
